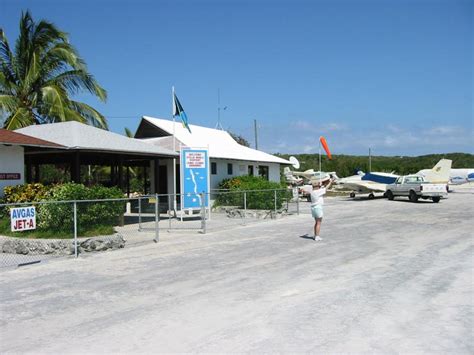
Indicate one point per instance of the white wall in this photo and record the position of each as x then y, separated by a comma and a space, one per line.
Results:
12, 160
241, 168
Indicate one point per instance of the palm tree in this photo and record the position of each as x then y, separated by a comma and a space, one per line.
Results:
39, 77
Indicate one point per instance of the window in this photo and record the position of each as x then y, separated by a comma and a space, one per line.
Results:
250, 170
213, 168
229, 169
263, 171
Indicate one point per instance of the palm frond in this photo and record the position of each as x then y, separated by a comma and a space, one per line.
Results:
33, 73
23, 45
45, 34
75, 81
20, 118
6, 58
9, 104
92, 116
54, 103
63, 53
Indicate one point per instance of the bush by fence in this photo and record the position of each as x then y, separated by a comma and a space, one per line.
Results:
56, 218
232, 193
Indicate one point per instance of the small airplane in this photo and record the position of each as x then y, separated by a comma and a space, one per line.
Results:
310, 175
304, 180
367, 183
461, 176
377, 182
457, 176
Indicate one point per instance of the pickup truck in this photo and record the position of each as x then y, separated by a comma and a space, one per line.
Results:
414, 187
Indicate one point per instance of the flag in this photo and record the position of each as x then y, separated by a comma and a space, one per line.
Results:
325, 146
178, 111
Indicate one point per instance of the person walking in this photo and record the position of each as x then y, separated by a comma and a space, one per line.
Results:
317, 202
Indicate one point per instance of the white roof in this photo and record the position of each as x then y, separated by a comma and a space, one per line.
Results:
76, 135
221, 144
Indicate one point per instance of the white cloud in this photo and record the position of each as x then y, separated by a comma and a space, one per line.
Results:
333, 127
302, 136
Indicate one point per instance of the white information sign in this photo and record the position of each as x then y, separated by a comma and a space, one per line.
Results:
23, 218
195, 160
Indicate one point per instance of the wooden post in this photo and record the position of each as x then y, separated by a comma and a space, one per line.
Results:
120, 174
128, 179
76, 168
28, 169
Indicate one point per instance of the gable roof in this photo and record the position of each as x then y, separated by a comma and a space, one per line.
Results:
14, 138
76, 135
221, 144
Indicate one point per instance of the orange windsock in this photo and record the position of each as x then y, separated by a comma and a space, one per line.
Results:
325, 146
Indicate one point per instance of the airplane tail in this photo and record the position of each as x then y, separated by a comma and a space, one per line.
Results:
440, 172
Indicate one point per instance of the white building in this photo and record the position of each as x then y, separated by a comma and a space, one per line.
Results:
227, 157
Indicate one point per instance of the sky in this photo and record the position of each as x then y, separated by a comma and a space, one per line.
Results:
395, 76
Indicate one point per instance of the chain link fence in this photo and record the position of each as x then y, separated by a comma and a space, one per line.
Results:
34, 232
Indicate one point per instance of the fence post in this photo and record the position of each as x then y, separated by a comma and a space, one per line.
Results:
75, 229
245, 205
157, 221
275, 200
169, 211
298, 204
203, 212
139, 213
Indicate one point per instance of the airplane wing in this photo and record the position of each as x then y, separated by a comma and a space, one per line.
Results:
365, 187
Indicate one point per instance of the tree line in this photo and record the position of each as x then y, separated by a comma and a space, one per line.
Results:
346, 165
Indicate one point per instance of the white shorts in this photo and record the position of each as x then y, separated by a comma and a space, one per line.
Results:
317, 211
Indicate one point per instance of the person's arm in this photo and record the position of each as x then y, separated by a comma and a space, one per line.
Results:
329, 185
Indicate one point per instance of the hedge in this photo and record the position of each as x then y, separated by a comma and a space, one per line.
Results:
258, 200
58, 218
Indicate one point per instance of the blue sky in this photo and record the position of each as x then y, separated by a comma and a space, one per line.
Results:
396, 76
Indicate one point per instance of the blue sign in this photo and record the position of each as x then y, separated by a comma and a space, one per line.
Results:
194, 177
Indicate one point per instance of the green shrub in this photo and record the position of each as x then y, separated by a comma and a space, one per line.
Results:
56, 219
60, 216
25, 193
264, 200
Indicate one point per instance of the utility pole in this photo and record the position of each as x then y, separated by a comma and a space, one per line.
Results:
218, 124
256, 136
370, 161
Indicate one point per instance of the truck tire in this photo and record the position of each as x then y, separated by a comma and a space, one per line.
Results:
413, 196
390, 195
352, 195
371, 196
436, 199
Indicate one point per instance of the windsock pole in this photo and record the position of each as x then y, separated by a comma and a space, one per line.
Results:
320, 162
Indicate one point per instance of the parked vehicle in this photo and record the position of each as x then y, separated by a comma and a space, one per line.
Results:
415, 187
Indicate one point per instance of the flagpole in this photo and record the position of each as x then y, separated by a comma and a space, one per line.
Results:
174, 150
320, 161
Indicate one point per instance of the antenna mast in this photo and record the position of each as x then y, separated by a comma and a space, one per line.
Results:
256, 137
218, 124
370, 161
